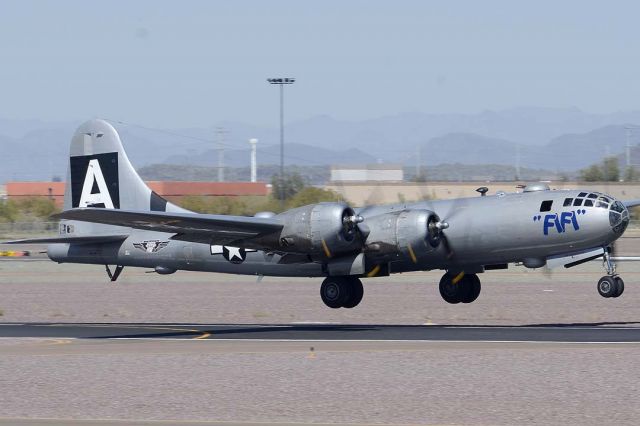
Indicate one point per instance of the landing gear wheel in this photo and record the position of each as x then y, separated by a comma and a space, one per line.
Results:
466, 290
355, 296
335, 291
620, 286
608, 286
450, 292
472, 284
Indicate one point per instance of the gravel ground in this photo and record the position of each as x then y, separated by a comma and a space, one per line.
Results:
547, 384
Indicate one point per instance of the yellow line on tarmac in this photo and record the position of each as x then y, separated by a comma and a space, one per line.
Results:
202, 335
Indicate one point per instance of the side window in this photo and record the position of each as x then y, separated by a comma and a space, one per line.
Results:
577, 202
546, 206
567, 202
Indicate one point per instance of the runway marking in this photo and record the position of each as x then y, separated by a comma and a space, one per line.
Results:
346, 326
108, 421
177, 339
64, 341
203, 334
575, 334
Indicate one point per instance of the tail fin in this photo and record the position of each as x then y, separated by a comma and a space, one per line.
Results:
100, 174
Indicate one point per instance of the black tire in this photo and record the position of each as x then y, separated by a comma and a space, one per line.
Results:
356, 293
450, 292
472, 290
619, 286
335, 291
607, 286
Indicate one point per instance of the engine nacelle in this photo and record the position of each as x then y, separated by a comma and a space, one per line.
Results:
410, 233
323, 230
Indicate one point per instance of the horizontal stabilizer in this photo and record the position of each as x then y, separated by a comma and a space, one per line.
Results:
89, 239
189, 226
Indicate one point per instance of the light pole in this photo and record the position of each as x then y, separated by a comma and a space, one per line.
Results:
281, 82
629, 172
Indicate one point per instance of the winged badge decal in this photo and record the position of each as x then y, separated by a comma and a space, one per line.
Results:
151, 246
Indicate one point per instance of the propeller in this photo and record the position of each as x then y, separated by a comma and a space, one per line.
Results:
441, 225
350, 222
435, 228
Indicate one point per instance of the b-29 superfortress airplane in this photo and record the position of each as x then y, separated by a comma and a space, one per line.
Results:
112, 218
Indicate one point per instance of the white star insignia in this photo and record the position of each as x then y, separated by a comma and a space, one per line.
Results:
234, 252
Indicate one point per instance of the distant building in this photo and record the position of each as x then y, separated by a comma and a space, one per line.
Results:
368, 173
51, 190
172, 190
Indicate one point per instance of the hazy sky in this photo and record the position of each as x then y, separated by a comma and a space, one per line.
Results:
195, 63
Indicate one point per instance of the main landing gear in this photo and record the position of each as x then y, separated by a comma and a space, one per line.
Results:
611, 285
341, 292
459, 287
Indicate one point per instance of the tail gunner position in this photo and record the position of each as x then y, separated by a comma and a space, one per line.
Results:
111, 217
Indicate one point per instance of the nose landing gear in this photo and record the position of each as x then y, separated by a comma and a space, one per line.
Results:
611, 285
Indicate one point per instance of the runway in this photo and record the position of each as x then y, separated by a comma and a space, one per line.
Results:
560, 333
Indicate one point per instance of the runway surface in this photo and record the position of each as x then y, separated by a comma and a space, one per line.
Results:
562, 333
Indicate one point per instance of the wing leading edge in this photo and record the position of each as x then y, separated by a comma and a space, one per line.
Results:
188, 226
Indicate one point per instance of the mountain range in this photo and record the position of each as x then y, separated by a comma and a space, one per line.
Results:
558, 140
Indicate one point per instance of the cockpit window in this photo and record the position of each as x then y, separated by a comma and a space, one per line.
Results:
602, 205
617, 207
546, 206
588, 203
567, 202
592, 196
582, 194
577, 202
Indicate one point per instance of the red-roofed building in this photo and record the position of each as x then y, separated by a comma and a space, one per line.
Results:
170, 189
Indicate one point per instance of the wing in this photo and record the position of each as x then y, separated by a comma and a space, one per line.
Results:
88, 239
631, 203
193, 227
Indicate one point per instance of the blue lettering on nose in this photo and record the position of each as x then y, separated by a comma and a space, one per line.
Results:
565, 220
559, 222
549, 222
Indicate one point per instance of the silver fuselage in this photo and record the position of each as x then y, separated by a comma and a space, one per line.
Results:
492, 230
